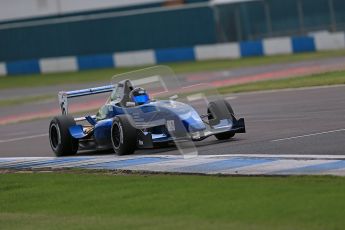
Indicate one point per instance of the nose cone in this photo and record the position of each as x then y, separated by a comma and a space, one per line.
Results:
192, 121
187, 114
193, 126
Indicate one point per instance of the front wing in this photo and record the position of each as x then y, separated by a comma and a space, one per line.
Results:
149, 140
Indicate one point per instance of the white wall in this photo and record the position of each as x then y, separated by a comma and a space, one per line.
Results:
217, 51
325, 40
19, 9
14, 9
2, 69
276, 46
79, 5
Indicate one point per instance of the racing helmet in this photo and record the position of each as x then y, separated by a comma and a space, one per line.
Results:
139, 96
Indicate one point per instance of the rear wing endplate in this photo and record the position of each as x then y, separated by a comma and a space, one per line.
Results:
64, 96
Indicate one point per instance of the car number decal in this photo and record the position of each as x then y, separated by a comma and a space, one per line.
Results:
170, 125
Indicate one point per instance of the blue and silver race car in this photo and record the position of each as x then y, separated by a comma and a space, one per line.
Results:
130, 120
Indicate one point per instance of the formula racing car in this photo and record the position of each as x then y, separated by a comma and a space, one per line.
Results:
130, 119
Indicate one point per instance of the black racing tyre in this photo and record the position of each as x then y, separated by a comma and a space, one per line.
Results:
61, 141
123, 135
218, 110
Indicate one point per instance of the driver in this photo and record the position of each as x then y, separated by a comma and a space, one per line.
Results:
139, 96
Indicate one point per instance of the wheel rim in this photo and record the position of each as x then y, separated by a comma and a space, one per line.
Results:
116, 136
55, 138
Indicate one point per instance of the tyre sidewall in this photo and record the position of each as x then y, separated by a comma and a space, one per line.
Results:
219, 110
127, 135
65, 144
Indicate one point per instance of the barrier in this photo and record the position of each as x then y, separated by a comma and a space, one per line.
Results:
275, 46
271, 46
60, 64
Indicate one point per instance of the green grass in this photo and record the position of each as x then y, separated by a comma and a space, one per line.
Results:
183, 67
331, 78
89, 201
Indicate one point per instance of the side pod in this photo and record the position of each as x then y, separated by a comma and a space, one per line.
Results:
77, 131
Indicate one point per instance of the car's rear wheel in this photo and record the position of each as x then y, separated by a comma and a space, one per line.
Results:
123, 135
61, 141
218, 110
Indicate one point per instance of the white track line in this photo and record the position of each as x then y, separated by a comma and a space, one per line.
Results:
230, 98
308, 135
24, 138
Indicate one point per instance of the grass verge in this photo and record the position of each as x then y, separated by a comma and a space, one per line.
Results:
25, 100
39, 80
91, 201
324, 79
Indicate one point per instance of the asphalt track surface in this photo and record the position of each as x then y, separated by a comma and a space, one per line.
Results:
48, 108
307, 121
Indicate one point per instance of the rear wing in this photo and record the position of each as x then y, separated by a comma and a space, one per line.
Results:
64, 96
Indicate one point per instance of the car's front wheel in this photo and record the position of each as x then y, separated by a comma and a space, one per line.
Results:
218, 110
123, 135
61, 141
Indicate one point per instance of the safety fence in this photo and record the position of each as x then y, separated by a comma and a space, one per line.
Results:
269, 46
270, 18
156, 27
